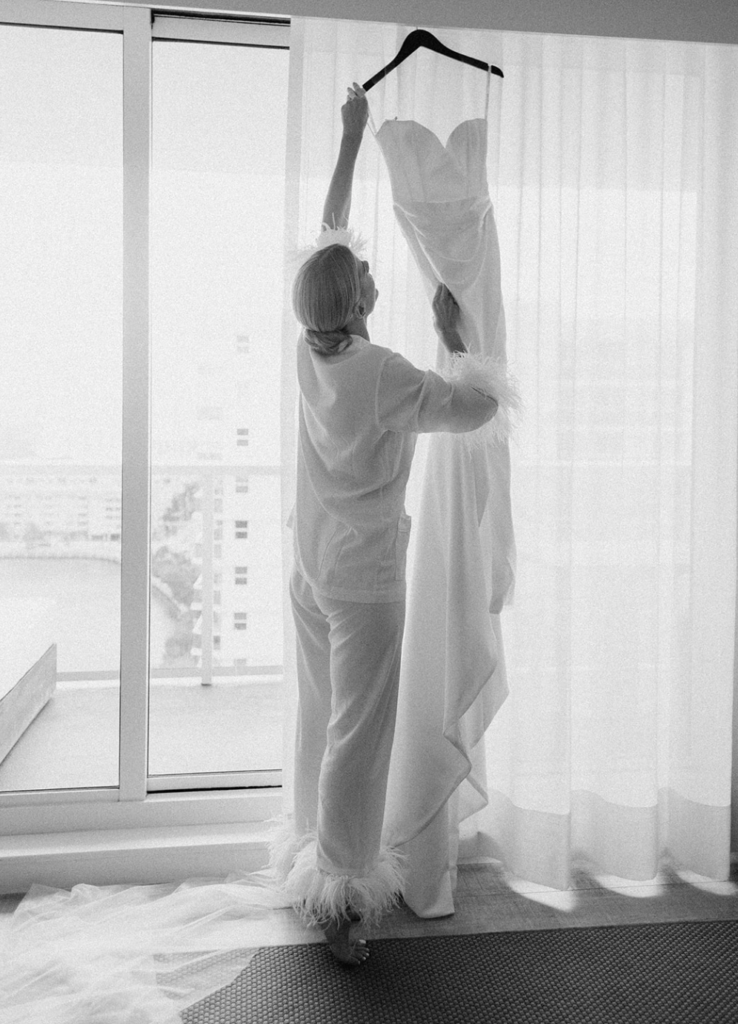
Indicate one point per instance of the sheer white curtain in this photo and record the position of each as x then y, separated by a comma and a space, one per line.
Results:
613, 170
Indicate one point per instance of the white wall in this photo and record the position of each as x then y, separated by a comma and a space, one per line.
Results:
704, 21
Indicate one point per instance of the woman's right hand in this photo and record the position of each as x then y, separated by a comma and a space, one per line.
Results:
355, 111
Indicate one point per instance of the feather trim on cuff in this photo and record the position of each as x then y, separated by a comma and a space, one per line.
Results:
320, 896
491, 377
330, 236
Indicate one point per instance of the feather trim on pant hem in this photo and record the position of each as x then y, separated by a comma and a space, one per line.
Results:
320, 896
284, 846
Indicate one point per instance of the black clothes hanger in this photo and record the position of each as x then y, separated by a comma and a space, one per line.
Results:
420, 37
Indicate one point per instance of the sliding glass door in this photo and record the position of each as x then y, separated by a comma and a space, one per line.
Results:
141, 214
61, 268
217, 202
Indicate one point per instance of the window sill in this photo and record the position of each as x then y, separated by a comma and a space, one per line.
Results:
145, 856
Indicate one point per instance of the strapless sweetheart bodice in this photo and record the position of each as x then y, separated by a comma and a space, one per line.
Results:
422, 169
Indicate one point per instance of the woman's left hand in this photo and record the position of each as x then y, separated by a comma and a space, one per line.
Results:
446, 312
355, 111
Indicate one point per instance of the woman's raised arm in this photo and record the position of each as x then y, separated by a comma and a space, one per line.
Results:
355, 114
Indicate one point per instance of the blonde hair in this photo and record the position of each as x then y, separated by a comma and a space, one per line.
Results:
325, 294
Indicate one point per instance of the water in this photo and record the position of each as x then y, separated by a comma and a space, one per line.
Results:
75, 603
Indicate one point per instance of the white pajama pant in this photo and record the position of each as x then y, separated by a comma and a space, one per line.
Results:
348, 671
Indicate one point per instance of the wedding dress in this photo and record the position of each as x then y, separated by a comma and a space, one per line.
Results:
453, 678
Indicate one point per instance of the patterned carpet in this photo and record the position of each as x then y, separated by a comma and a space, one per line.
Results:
685, 973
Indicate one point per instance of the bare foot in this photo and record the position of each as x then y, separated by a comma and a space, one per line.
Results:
339, 942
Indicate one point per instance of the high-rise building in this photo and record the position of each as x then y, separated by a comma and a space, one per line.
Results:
60, 505
238, 430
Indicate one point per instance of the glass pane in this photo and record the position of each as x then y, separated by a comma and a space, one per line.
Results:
217, 225
60, 405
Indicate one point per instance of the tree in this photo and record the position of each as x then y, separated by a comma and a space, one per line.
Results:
179, 645
181, 507
177, 571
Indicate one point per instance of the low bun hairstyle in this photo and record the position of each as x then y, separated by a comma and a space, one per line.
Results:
325, 295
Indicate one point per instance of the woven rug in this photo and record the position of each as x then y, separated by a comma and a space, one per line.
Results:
685, 972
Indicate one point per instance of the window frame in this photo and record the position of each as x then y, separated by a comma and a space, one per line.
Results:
138, 802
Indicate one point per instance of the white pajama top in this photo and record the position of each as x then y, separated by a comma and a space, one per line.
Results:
359, 415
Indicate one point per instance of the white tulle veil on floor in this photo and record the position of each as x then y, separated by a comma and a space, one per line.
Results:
130, 954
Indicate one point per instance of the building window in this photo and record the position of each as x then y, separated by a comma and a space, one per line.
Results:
242, 485
243, 344
240, 620
242, 529
242, 437
242, 574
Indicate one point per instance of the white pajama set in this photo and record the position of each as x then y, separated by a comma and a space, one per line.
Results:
359, 416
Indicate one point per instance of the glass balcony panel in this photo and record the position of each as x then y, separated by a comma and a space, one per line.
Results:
61, 224
219, 128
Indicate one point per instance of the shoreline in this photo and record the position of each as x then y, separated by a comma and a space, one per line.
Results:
85, 550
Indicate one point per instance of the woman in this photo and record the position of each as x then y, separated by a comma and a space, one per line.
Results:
361, 408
